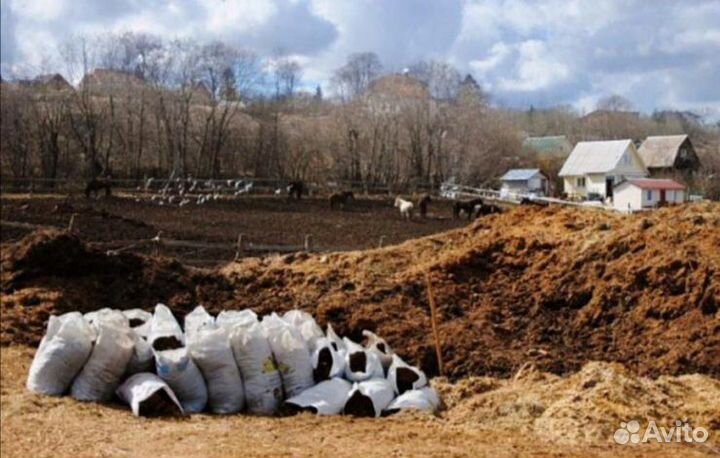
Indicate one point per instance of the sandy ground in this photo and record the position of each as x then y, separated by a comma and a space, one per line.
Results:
39, 426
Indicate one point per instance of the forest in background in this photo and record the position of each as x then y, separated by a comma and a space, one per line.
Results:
139, 106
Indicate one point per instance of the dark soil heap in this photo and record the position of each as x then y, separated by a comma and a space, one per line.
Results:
555, 287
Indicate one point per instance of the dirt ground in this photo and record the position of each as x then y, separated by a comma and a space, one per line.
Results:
262, 219
555, 326
534, 414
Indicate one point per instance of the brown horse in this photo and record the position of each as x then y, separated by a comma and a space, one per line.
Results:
467, 206
340, 199
97, 184
296, 189
423, 204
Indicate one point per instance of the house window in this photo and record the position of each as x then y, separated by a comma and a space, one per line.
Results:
581, 182
649, 194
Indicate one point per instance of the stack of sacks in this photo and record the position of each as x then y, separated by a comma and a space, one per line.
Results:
223, 364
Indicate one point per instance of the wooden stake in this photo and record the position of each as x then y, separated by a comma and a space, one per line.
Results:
381, 242
433, 320
240, 248
71, 224
308, 242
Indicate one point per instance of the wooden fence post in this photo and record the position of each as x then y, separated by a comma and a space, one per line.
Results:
71, 223
381, 242
308, 242
240, 247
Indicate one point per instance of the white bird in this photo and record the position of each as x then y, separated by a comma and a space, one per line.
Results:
278, 191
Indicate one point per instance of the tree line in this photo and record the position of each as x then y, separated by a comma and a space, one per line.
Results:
141, 106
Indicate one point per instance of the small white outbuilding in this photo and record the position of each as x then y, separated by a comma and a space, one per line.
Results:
642, 193
524, 181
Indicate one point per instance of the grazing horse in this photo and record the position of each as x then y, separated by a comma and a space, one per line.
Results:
95, 185
341, 199
405, 206
296, 189
467, 206
423, 204
537, 203
486, 209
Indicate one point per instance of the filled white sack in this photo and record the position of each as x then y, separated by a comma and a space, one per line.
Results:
307, 326
291, 355
210, 350
61, 355
326, 361
148, 395
380, 347
108, 361
369, 398
253, 355
165, 331
231, 318
196, 320
143, 359
361, 364
178, 370
325, 398
339, 345
139, 321
424, 398
405, 377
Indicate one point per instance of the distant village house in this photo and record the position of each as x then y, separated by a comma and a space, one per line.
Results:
524, 181
669, 155
593, 168
643, 193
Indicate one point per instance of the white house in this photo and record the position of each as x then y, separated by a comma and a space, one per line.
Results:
593, 168
639, 193
524, 181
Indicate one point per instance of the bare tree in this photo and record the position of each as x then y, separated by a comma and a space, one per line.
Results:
614, 102
353, 78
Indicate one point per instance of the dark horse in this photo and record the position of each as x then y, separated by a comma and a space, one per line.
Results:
467, 206
423, 204
341, 199
97, 184
486, 209
296, 189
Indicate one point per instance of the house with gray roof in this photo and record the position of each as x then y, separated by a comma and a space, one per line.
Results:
668, 154
593, 168
524, 181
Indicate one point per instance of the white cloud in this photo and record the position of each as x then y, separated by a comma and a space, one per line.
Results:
536, 69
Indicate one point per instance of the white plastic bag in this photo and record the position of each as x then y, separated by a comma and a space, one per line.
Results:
108, 361
148, 396
325, 398
369, 398
405, 377
337, 341
139, 321
231, 318
291, 355
210, 349
143, 359
165, 331
326, 361
61, 355
305, 323
263, 386
178, 370
196, 320
380, 347
361, 364
422, 399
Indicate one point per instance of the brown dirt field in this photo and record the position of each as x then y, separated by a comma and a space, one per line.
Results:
555, 287
484, 417
265, 220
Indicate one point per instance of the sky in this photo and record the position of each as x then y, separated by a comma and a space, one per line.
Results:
660, 54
